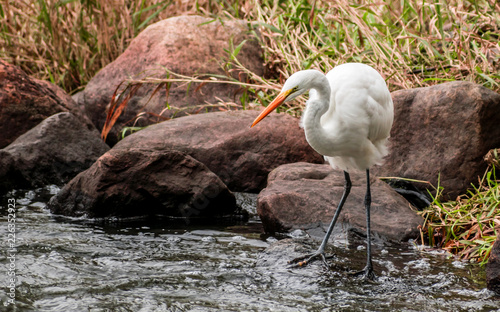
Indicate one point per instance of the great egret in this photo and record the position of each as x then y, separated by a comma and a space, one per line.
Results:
348, 119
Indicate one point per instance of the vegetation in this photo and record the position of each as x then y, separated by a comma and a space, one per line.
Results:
468, 226
413, 43
68, 41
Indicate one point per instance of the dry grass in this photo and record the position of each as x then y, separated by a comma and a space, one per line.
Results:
412, 43
68, 41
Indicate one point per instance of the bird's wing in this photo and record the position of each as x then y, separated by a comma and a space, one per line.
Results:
360, 97
380, 111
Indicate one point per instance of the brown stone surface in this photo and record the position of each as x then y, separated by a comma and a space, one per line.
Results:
443, 132
25, 102
241, 156
141, 182
187, 45
305, 196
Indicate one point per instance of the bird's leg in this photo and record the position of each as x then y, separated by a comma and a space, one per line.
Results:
367, 272
320, 253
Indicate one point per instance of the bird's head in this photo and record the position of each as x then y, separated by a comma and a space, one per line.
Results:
294, 86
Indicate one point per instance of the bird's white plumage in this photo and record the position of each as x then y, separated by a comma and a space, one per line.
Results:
348, 119
348, 116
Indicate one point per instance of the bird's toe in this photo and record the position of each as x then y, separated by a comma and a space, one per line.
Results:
366, 274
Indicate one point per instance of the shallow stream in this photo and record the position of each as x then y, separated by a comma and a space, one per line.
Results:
75, 265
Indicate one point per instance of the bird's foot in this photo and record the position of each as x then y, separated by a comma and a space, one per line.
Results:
366, 274
306, 259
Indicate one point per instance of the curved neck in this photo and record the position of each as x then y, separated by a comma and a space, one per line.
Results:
316, 107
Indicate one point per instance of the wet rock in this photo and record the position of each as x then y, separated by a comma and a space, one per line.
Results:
305, 196
443, 132
187, 45
140, 182
241, 156
10, 177
25, 102
53, 152
493, 268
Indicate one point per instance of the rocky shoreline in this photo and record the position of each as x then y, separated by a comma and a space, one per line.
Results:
189, 166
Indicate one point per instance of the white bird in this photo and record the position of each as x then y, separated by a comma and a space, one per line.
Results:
348, 119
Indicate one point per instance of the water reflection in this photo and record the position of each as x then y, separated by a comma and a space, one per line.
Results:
73, 265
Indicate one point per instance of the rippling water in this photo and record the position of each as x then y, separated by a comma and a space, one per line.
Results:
74, 265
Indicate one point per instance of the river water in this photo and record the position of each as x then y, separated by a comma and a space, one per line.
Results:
75, 265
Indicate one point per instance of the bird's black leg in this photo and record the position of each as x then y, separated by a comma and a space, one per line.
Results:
320, 253
367, 272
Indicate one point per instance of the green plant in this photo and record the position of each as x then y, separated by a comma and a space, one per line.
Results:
131, 130
468, 226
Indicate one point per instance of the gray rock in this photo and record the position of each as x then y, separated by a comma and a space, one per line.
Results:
139, 182
53, 152
493, 268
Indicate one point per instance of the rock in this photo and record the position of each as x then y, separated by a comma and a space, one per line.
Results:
442, 132
305, 196
25, 102
187, 45
140, 182
493, 268
241, 156
10, 176
53, 152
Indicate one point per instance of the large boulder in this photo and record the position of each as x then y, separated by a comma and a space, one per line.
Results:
53, 152
141, 182
187, 45
241, 156
441, 133
305, 196
25, 102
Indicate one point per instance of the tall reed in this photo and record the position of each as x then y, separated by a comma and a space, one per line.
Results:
68, 41
412, 43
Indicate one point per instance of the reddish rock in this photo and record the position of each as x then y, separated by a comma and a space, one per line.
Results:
241, 156
25, 102
493, 268
142, 182
187, 45
443, 132
306, 195
53, 152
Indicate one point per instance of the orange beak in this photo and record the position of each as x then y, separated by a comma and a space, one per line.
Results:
274, 104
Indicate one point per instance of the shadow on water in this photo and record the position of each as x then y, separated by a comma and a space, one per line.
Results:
76, 265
